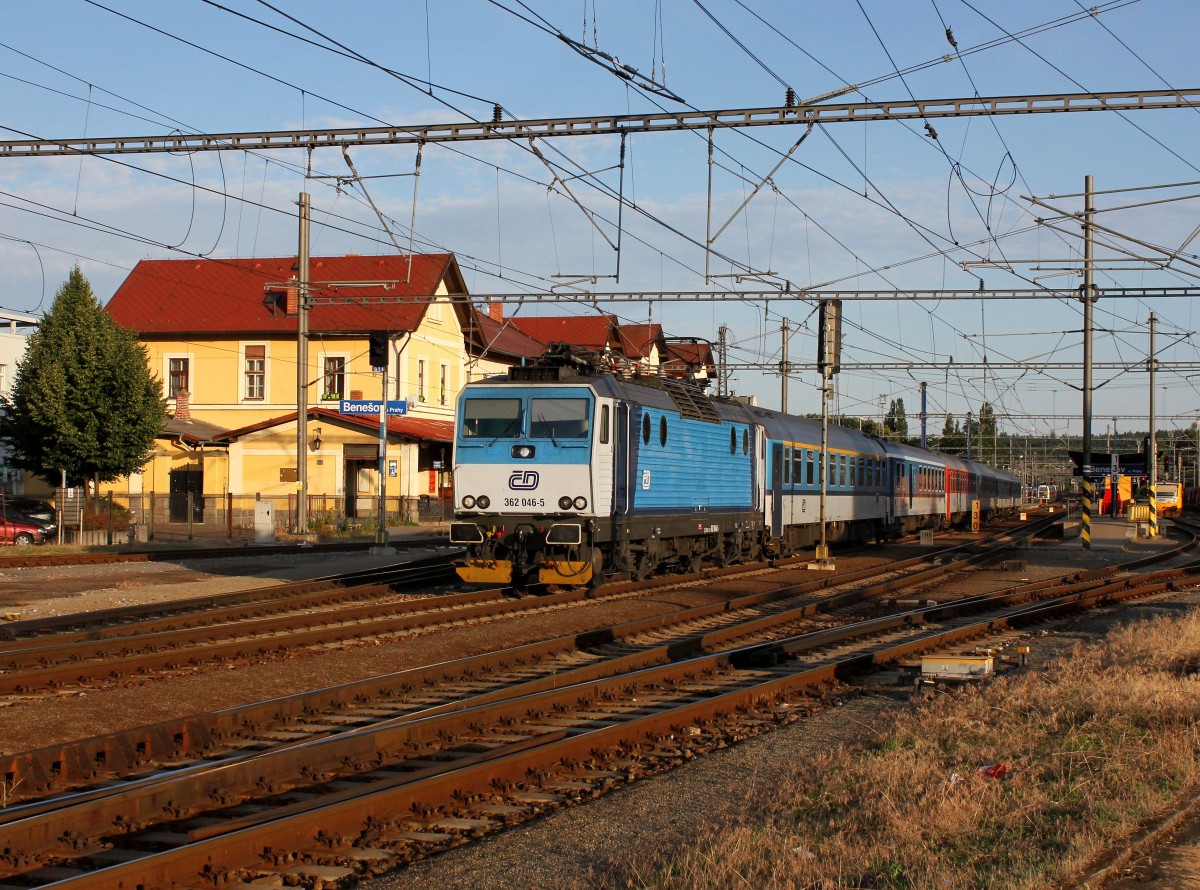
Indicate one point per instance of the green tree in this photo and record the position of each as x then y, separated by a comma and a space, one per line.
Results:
987, 433
949, 434
895, 422
83, 399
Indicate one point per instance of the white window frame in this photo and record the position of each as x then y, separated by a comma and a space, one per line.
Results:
245, 375
345, 358
167, 358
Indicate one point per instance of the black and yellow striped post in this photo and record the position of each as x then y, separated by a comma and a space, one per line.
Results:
1154, 509
1085, 525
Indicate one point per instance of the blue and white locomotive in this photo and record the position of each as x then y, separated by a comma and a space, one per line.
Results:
564, 473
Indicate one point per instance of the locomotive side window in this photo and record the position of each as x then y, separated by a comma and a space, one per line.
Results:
604, 424
746, 441
732, 441
662, 431
559, 419
491, 419
645, 429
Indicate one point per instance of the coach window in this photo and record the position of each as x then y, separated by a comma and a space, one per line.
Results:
809, 467
787, 465
604, 424
798, 465
645, 429
662, 431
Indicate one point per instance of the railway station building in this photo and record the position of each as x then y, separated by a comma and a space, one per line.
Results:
222, 336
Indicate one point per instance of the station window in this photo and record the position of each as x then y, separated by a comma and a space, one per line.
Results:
256, 372
177, 376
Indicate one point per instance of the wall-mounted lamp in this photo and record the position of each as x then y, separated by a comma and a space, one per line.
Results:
315, 444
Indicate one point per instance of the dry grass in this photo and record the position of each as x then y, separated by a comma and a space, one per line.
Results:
1094, 745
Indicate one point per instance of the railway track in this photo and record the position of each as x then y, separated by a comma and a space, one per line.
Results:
128, 644
769, 611
25, 559
416, 781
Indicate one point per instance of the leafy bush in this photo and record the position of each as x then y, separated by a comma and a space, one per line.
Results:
95, 516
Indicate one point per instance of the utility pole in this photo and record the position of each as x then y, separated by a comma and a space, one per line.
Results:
783, 370
1152, 457
302, 371
1088, 298
923, 415
829, 350
722, 360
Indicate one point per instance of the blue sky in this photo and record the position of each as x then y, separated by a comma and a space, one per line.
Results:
72, 68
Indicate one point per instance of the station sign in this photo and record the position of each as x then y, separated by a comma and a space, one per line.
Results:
371, 406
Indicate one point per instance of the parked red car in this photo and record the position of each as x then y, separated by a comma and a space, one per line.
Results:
20, 531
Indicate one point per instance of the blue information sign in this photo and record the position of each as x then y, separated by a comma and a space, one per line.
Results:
371, 406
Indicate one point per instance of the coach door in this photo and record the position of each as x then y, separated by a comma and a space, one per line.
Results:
622, 468
776, 499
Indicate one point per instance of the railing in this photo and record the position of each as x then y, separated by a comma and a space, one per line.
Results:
184, 516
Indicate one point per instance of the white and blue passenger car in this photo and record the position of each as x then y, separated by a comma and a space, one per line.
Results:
563, 473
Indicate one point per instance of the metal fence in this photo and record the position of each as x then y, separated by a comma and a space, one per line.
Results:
176, 516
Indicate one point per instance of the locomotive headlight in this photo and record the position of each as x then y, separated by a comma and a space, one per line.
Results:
468, 502
564, 503
484, 502
580, 502
523, 451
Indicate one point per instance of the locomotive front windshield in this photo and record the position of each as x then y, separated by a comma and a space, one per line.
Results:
491, 419
559, 419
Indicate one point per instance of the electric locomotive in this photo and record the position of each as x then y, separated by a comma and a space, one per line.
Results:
564, 472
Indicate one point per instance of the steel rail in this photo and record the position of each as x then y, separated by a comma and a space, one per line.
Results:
143, 615
310, 824
35, 667
149, 618
27, 560
208, 735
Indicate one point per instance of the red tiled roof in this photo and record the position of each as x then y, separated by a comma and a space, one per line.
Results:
503, 340
228, 296
680, 357
412, 427
638, 339
583, 331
